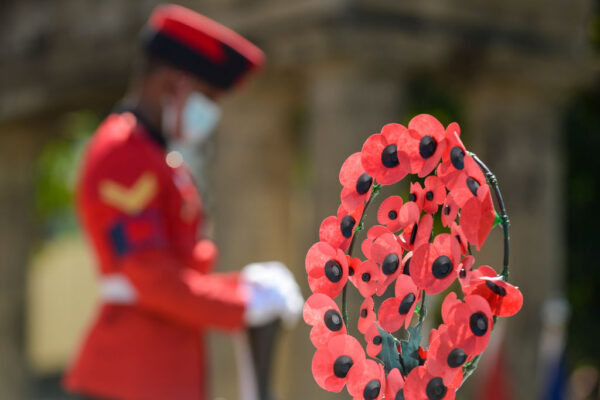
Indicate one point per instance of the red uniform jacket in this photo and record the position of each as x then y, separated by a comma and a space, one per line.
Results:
142, 216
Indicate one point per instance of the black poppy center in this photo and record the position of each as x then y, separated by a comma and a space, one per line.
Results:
350, 271
347, 225
499, 290
406, 303
363, 313
390, 264
456, 358
413, 234
377, 340
412, 197
429, 195
333, 271
478, 323
389, 156
392, 214
341, 366
457, 157
442, 266
458, 239
363, 184
447, 210
400, 395
407, 267
435, 389
463, 273
427, 146
473, 185
372, 390
333, 320
366, 277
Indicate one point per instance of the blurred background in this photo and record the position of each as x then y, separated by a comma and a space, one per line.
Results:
520, 77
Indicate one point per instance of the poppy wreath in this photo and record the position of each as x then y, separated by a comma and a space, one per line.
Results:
407, 255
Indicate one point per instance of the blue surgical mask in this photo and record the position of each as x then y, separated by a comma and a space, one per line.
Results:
199, 118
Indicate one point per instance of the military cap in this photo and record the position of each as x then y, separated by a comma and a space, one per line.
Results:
199, 45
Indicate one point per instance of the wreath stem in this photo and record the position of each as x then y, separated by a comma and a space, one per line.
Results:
375, 191
470, 367
493, 181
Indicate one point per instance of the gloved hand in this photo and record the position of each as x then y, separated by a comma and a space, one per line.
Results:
273, 293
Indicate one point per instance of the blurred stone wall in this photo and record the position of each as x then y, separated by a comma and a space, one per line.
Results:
337, 71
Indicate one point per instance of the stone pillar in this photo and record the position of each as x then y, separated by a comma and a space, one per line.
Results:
344, 105
515, 129
251, 177
19, 146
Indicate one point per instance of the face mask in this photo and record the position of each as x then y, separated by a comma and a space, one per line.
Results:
199, 118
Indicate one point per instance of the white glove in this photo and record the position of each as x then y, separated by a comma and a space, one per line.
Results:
273, 293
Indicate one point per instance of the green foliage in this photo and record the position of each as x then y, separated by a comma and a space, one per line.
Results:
497, 220
582, 142
389, 351
594, 27
426, 97
410, 348
56, 170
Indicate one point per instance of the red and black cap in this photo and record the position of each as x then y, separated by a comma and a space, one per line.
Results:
199, 45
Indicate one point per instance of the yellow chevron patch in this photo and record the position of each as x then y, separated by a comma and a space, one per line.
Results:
131, 200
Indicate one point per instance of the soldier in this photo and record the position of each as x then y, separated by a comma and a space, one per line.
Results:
139, 207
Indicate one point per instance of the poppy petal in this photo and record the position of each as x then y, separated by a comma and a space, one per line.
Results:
389, 212
321, 312
366, 316
327, 269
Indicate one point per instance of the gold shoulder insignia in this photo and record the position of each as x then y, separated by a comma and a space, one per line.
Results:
131, 200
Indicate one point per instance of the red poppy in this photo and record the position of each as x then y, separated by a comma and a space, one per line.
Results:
398, 311
370, 385
465, 271
477, 217
434, 194
409, 214
338, 230
394, 387
388, 213
445, 358
416, 194
366, 316
373, 233
366, 278
427, 144
449, 210
406, 263
453, 159
327, 269
417, 234
374, 340
434, 265
356, 182
505, 300
383, 155
422, 353
470, 275
387, 253
421, 385
469, 323
335, 363
321, 312
353, 264
457, 231
468, 183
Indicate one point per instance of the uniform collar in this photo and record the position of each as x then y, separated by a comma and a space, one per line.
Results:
155, 134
